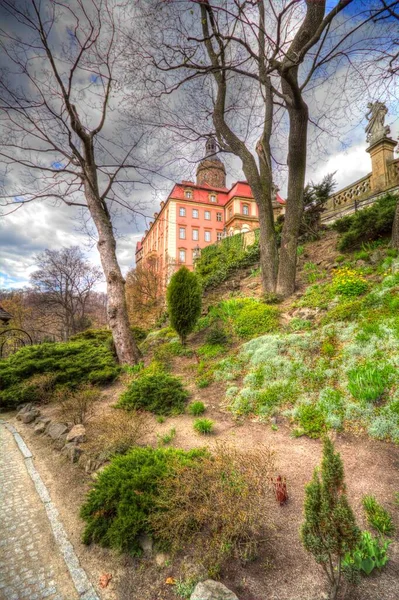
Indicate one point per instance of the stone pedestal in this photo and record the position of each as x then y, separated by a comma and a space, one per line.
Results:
381, 154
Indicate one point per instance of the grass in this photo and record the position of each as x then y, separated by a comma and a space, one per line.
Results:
196, 408
167, 438
378, 516
203, 426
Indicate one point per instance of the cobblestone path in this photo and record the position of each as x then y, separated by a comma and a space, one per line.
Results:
31, 565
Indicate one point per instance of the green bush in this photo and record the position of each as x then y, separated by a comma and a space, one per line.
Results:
311, 421
366, 224
370, 553
184, 302
219, 261
368, 381
68, 363
246, 317
217, 336
378, 516
196, 408
203, 426
117, 508
159, 393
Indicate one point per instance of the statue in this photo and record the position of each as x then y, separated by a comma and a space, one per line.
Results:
376, 130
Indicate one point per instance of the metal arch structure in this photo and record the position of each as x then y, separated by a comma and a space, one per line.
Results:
12, 339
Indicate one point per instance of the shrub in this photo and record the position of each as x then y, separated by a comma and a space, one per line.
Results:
184, 302
77, 406
370, 553
311, 421
117, 431
217, 336
159, 393
368, 381
378, 516
219, 503
124, 495
66, 363
329, 531
349, 282
367, 224
203, 426
166, 438
246, 317
196, 408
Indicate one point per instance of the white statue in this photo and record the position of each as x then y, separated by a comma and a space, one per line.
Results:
376, 129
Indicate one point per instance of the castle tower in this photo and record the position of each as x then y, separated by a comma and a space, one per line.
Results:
211, 170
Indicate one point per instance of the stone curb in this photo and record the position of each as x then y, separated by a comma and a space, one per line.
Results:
78, 575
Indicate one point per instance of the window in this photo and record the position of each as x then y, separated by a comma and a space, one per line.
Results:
182, 233
182, 256
245, 209
182, 211
207, 215
218, 217
188, 194
219, 236
213, 198
207, 236
195, 213
230, 211
195, 235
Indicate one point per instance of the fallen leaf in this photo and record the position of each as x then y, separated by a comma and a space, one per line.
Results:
105, 579
170, 581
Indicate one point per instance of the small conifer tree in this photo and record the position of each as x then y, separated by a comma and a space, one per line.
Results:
330, 529
184, 302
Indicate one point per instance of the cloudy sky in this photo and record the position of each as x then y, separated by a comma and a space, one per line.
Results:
40, 225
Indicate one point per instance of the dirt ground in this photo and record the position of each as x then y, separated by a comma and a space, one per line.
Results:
283, 570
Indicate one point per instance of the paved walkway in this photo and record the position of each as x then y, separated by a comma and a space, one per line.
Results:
31, 563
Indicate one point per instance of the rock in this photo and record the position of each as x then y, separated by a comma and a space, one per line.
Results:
56, 430
60, 442
161, 559
253, 285
72, 451
361, 263
146, 544
45, 420
306, 314
40, 427
25, 408
376, 256
30, 416
212, 590
77, 434
273, 420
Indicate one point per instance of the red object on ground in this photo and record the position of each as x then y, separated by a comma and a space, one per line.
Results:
280, 489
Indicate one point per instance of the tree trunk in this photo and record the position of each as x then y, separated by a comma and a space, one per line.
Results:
395, 229
297, 142
126, 348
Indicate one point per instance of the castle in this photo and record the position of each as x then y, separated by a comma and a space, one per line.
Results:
198, 214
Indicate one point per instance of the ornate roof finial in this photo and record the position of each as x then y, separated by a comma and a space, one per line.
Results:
376, 129
210, 148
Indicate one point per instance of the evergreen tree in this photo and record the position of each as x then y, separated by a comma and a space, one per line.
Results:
184, 302
330, 529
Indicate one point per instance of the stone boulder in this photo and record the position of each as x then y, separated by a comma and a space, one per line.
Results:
40, 427
56, 430
72, 451
77, 434
212, 590
29, 416
24, 409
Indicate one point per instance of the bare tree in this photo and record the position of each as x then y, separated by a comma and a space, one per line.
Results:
261, 62
64, 282
64, 136
144, 294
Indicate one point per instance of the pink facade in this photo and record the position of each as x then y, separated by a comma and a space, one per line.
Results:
195, 216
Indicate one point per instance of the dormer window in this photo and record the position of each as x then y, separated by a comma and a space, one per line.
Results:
213, 198
188, 194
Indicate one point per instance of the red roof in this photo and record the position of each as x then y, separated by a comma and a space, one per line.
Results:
201, 192
279, 199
